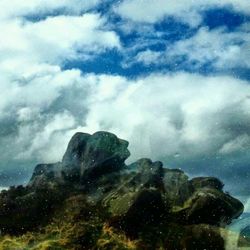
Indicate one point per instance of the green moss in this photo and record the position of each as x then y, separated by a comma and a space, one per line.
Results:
121, 204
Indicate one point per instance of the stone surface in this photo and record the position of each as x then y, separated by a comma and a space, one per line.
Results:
209, 182
94, 155
143, 198
149, 174
146, 209
174, 180
210, 206
87, 158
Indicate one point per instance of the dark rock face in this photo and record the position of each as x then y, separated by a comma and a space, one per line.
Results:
87, 158
94, 155
145, 210
202, 237
209, 182
212, 207
177, 186
143, 198
149, 174
76, 147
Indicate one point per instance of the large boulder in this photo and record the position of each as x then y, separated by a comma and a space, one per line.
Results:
143, 174
87, 158
174, 180
140, 210
197, 237
148, 173
186, 188
94, 155
211, 206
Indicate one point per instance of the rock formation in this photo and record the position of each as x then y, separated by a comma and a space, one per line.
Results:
142, 201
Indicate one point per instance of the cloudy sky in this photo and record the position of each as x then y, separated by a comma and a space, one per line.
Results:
171, 77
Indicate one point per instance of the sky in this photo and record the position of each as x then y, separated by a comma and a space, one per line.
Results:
171, 77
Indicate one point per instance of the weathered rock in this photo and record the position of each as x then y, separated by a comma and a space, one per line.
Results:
146, 175
141, 198
76, 147
25, 208
213, 207
149, 174
94, 155
87, 158
143, 209
180, 189
202, 237
173, 181
208, 182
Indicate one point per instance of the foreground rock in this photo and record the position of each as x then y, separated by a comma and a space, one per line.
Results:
152, 205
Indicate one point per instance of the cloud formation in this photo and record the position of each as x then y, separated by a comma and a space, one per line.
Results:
163, 116
48, 90
43, 7
189, 12
41, 100
216, 48
191, 115
80, 37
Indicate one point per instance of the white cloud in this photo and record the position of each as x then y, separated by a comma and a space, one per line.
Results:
152, 11
17, 8
36, 111
39, 100
148, 57
238, 144
162, 115
37, 92
43, 143
221, 49
54, 39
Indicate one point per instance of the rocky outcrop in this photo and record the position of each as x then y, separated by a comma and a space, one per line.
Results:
141, 210
94, 155
86, 159
143, 198
210, 206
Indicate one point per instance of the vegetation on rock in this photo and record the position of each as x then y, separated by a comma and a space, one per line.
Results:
93, 200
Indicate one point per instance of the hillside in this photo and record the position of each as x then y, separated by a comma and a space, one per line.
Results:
93, 200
